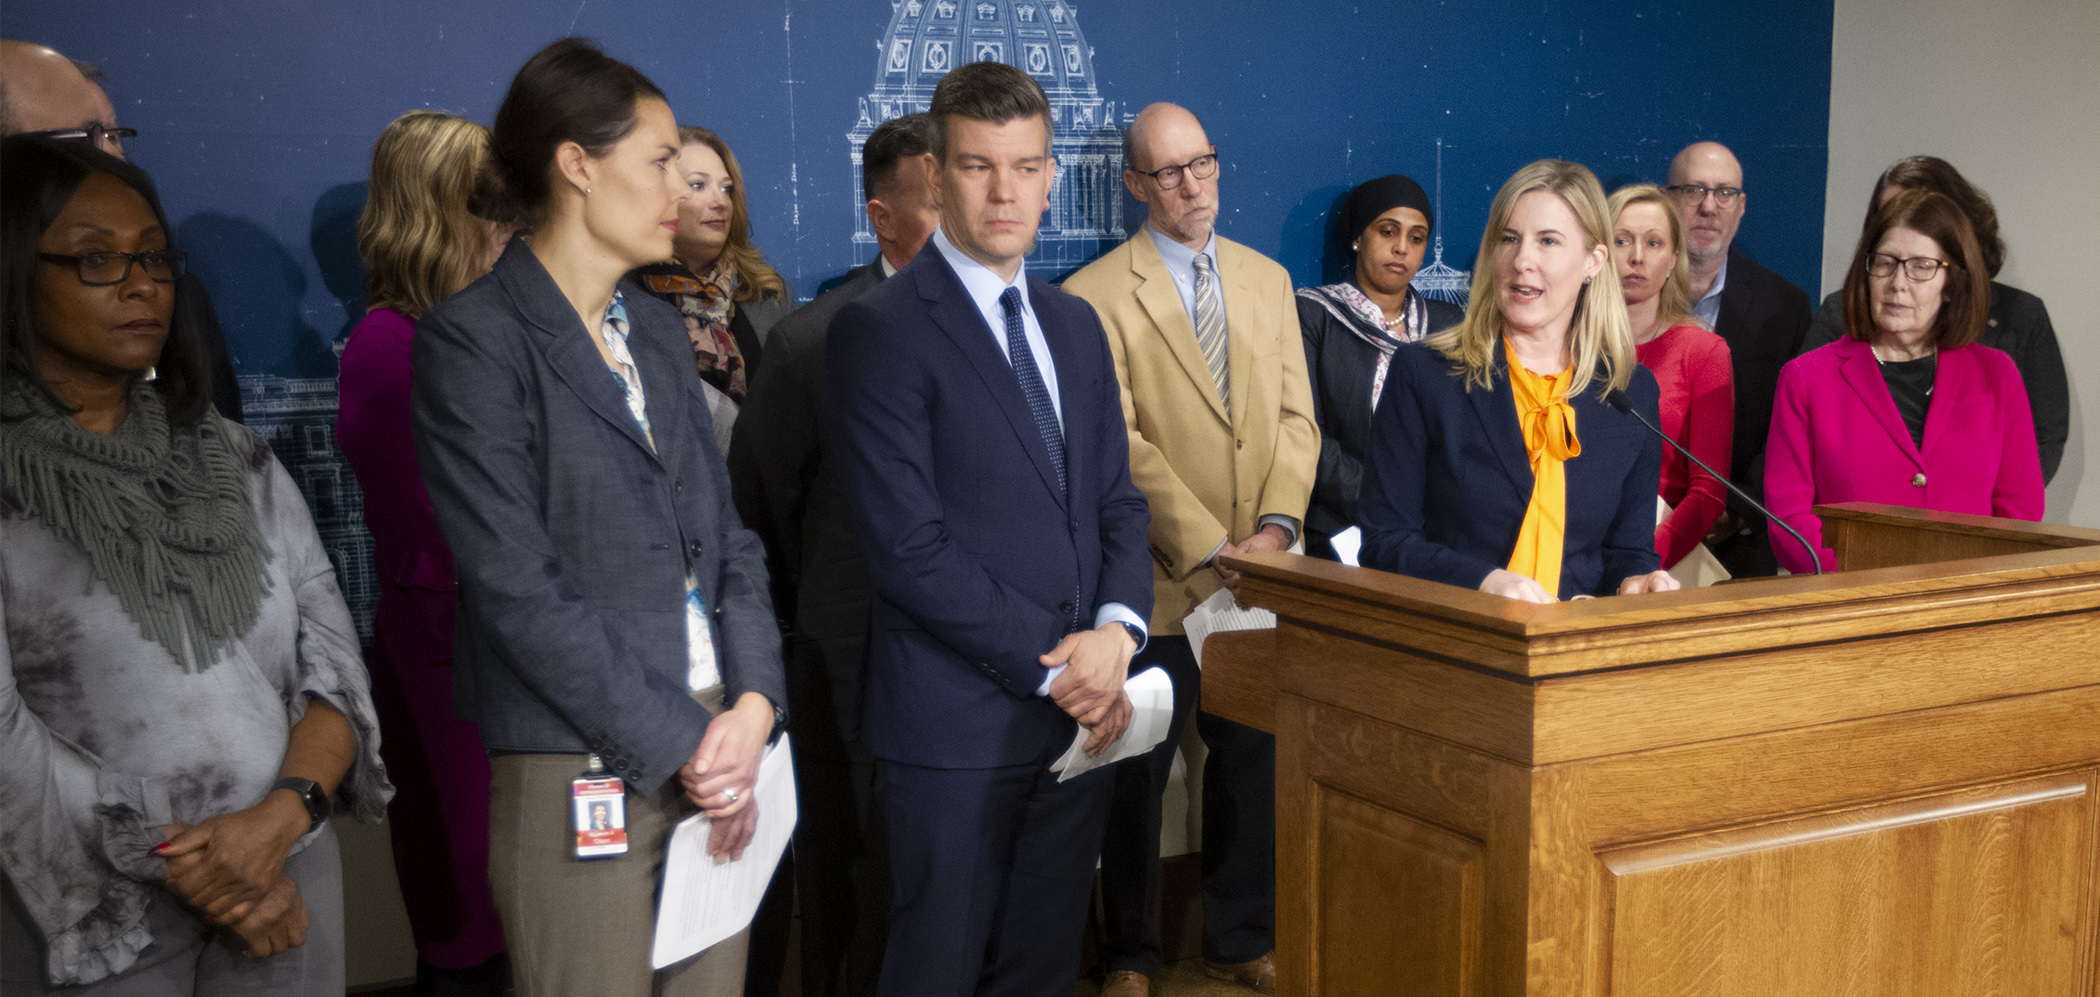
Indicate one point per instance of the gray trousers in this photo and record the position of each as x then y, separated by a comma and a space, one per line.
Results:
584, 929
189, 957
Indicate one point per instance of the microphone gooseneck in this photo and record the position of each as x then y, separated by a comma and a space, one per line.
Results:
1617, 399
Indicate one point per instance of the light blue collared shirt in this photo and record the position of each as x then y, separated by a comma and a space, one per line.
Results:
1181, 265
984, 288
1708, 309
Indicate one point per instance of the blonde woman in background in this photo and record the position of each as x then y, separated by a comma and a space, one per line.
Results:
422, 242
1690, 364
1495, 463
730, 297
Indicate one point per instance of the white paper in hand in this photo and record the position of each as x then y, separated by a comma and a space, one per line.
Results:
1221, 613
703, 902
1151, 695
1347, 544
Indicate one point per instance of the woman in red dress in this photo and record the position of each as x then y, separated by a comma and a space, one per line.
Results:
1690, 363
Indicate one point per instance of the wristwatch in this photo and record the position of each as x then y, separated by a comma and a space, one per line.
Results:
1137, 634
318, 805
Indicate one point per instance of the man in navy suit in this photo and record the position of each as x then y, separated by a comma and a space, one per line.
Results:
982, 452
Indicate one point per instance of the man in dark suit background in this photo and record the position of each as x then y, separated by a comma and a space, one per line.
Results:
1764, 318
983, 456
787, 491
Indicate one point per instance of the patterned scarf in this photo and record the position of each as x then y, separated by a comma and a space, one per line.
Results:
1363, 317
1548, 422
163, 514
708, 302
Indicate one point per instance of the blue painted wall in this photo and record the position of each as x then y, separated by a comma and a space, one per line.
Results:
257, 117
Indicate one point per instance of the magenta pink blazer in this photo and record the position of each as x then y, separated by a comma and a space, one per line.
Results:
1836, 437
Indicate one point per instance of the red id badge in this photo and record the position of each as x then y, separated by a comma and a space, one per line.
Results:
599, 809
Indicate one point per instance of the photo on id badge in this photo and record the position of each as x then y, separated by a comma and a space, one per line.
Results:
599, 813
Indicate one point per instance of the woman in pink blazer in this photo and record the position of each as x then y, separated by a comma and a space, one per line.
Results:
1907, 408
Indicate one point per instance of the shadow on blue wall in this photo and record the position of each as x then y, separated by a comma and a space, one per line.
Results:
334, 244
257, 285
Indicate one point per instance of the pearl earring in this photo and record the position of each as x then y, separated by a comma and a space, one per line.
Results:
586, 190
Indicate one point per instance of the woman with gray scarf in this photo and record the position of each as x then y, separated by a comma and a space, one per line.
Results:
181, 698
1351, 329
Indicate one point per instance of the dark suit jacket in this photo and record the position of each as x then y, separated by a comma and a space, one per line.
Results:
787, 491
1341, 366
1447, 480
572, 538
2019, 325
1764, 317
975, 554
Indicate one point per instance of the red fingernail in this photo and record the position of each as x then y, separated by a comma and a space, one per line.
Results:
163, 846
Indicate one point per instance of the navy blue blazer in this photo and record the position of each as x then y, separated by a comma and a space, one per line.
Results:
974, 553
1447, 480
572, 537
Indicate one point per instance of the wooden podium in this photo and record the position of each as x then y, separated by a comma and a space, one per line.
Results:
1881, 781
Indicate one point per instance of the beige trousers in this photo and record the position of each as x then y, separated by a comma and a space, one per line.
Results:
584, 929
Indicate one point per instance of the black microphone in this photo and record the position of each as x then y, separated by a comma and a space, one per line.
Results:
1617, 399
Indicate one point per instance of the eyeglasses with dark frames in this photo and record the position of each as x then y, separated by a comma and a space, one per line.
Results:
163, 266
93, 132
1694, 193
1169, 177
1918, 268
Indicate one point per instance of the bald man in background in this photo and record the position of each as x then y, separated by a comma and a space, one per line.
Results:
1223, 444
42, 91
1764, 318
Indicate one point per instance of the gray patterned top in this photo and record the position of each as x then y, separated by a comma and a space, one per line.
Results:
104, 737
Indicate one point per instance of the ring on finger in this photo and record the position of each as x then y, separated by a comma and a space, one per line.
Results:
731, 793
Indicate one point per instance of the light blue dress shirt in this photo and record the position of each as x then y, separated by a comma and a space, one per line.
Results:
1181, 265
1708, 309
984, 288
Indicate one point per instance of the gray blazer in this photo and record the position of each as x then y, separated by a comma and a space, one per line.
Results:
572, 537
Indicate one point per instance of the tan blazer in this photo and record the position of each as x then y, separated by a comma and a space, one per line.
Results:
1209, 475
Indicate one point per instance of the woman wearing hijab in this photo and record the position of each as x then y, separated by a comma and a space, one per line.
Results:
182, 705
1351, 329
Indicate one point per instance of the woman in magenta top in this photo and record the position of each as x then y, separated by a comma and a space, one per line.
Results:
1907, 408
1690, 363
421, 243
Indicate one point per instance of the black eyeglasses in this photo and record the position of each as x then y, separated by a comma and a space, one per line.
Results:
93, 132
1695, 193
1918, 268
163, 266
1169, 177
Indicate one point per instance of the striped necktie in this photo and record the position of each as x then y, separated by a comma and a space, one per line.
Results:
1210, 328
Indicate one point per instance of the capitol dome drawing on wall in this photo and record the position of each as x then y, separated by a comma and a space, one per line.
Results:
927, 38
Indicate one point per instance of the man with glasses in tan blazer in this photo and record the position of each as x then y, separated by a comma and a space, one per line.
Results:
1224, 446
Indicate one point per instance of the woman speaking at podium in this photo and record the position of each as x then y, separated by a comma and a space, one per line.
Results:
1494, 461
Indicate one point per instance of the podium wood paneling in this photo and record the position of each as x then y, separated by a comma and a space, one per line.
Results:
1876, 782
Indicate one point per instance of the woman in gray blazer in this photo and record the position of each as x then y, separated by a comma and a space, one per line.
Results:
613, 610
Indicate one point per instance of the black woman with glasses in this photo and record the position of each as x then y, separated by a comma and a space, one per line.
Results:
1907, 408
182, 703
44, 93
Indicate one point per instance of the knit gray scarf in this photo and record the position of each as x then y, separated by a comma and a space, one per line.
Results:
163, 514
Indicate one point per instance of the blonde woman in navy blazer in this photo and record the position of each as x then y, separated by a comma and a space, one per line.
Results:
1907, 408
1448, 479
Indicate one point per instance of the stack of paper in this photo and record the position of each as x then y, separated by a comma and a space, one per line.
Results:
1151, 695
705, 902
1222, 614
